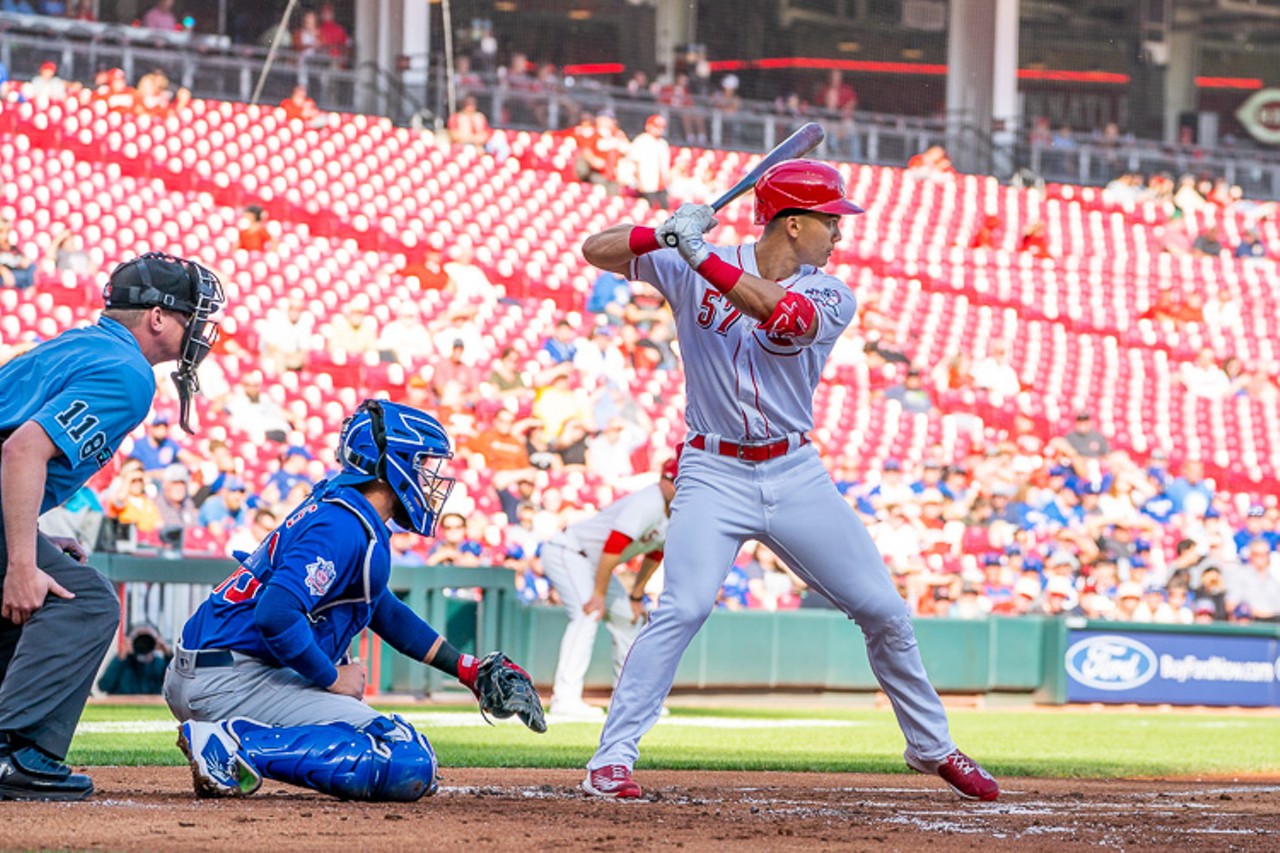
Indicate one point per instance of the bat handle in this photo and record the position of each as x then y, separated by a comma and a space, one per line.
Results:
670, 240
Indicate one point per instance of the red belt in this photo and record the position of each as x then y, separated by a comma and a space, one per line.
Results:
749, 452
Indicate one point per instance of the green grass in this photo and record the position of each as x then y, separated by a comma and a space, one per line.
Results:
1073, 744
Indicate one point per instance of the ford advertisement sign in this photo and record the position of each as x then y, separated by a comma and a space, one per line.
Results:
1171, 668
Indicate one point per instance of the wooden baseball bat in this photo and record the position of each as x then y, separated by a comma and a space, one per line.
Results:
798, 144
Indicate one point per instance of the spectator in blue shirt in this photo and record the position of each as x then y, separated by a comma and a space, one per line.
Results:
1250, 246
1255, 527
1158, 467
156, 450
955, 484
452, 546
734, 590
1005, 508
610, 295
532, 583
911, 393
930, 477
292, 473
228, 509
562, 346
1191, 493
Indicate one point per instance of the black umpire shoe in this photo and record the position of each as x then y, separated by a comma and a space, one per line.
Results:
26, 773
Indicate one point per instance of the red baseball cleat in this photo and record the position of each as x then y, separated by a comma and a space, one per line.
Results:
965, 776
612, 781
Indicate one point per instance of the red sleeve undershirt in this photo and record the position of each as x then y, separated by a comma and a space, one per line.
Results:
616, 543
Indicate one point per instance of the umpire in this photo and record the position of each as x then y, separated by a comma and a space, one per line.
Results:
65, 407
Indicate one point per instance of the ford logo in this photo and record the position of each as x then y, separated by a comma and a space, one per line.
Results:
1109, 662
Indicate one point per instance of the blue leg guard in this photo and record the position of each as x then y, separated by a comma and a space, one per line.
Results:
383, 761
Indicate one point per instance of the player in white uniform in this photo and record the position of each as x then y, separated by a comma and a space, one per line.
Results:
579, 562
756, 323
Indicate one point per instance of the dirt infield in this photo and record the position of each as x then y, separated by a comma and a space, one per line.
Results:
152, 809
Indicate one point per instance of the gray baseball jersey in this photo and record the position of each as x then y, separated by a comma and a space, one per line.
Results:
742, 384
745, 387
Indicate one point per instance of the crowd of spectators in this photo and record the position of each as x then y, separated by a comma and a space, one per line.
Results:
544, 431
313, 31
1021, 523
152, 95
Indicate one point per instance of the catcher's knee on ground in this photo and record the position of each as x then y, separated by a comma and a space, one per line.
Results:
384, 760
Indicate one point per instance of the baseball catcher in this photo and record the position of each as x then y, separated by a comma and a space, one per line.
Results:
260, 677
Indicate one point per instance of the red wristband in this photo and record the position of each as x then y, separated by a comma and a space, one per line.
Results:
722, 274
643, 240
468, 667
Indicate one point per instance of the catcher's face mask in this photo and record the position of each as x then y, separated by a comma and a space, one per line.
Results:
175, 284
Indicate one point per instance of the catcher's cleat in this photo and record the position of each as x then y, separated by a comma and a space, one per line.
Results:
612, 781
217, 768
965, 776
27, 773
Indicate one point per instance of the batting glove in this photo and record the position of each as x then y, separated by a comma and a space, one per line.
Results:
689, 219
693, 249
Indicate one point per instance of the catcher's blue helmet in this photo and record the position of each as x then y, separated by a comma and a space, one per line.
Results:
405, 447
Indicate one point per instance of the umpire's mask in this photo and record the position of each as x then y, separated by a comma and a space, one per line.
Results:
175, 284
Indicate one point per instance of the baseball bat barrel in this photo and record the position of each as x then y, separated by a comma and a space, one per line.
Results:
808, 137
798, 144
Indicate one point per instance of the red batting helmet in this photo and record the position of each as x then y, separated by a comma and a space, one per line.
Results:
801, 185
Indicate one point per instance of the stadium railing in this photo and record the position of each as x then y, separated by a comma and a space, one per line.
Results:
211, 67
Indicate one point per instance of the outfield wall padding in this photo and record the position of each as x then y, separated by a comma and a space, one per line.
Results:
1055, 660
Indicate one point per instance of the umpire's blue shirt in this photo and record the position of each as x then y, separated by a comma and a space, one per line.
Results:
88, 388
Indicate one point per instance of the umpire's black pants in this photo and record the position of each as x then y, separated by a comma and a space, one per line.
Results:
47, 665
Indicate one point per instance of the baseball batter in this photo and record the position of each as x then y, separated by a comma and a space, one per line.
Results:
260, 677
756, 324
65, 407
580, 561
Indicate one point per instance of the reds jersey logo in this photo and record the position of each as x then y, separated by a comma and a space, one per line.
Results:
320, 576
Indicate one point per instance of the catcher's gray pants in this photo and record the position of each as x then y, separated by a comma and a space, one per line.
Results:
248, 687
573, 574
790, 504
47, 665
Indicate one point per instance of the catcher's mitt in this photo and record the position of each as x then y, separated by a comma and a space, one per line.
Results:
504, 690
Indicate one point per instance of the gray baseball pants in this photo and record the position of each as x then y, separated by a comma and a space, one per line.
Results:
47, 665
